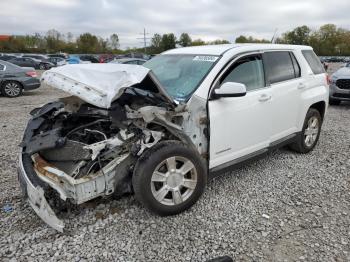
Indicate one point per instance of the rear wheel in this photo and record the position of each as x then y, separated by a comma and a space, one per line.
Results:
11, 89
169, 178
307, 140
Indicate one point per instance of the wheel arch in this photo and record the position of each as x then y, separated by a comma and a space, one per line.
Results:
320, 107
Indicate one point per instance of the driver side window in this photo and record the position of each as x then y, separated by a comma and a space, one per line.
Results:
247, 70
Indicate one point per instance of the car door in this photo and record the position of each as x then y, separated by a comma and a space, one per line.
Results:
283, 76
240, 126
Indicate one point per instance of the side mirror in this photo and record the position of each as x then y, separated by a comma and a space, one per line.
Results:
230, 89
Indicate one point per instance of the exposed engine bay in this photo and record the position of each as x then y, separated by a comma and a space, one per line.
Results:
83, 151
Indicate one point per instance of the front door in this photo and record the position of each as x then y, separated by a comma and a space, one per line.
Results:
241, 126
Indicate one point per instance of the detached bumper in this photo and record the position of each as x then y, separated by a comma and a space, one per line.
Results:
36, 199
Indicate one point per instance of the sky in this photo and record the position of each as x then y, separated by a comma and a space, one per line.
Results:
206, 19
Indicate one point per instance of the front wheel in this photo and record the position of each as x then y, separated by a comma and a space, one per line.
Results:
169, 178
307, 139
11, 89
42, 67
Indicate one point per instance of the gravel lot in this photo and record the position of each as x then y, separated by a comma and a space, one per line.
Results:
285, 207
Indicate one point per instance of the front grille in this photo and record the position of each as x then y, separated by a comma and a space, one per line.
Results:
341, 95
343, 83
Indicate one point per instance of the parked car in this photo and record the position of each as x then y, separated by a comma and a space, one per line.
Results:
340, 86
130, 61
38, 57
14, 79
76, 60
105, 58
7, 57
31, 62
89, 58
159, 130
62, 55
57, 61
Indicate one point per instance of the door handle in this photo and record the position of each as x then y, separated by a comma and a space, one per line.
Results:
264, 98
301, 86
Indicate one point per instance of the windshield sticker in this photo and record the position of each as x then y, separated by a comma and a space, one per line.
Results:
205, 58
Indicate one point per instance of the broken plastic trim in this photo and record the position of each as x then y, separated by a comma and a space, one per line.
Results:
38, 202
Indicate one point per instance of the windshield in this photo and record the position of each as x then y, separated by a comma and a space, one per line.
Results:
180, 75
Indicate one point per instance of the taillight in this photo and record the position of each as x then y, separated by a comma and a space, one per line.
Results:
31, 73
328, 78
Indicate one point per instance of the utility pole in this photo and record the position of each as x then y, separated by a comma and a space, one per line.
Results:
144, 38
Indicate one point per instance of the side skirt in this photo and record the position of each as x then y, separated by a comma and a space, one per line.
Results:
239, 162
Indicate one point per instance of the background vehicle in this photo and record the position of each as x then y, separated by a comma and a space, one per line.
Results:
57, 61
130, 61
43, 58
31, 62
14, 79
89, 58
160, 129
340, 86
7, 57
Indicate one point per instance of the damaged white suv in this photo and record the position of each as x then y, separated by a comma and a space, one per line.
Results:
161, 129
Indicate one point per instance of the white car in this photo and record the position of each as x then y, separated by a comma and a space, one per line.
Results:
160, 130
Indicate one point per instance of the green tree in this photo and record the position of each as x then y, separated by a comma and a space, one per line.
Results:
218, 42
298, 36
87, 43
185, 40
168, 42
243, 39
114, 41
156, 43
198, 42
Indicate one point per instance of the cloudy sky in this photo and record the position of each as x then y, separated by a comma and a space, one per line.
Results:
206, 19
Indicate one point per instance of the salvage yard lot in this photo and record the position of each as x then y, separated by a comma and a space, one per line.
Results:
286, 206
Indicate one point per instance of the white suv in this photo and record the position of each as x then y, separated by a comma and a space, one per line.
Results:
161, 129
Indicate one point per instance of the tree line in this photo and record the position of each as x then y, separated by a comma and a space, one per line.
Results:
326, 40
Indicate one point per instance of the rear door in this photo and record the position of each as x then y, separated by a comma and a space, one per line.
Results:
284, 78
240, 126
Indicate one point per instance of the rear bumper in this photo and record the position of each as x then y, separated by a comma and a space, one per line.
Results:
35, 195
30, 83
336, 93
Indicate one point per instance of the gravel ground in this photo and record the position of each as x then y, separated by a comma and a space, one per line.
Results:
285, 207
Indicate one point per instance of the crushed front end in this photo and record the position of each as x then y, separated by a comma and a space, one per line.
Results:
86, 146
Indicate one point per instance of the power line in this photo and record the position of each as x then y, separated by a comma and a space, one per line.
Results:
144, 38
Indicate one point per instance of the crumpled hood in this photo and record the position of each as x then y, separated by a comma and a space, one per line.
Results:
98, 84
342, 72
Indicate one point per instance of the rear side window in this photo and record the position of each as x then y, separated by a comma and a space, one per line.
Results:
313, 62
280, 66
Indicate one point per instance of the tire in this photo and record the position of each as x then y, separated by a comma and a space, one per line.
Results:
11, 89
42, 67
334, 102
169, 191
307, 140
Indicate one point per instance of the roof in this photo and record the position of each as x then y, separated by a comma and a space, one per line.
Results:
221, 49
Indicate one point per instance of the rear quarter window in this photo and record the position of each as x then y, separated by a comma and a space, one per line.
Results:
313, 61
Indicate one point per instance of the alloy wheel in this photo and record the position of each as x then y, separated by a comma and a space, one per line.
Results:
174, 181
12, 89
311, 131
